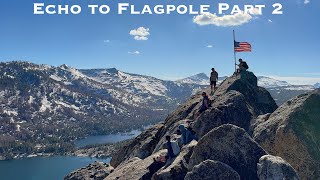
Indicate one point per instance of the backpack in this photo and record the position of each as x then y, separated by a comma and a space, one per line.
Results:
175, 148
245, 65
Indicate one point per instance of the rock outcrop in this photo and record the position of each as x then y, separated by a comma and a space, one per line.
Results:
293, 133
229, 108
245, 83
237, 101
231, 145
273, 167
208, 169
225, 149
94, 171
134, 169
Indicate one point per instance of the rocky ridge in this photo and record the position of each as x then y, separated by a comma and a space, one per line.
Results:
233, 138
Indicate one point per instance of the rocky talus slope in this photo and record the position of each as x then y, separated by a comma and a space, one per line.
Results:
242, 136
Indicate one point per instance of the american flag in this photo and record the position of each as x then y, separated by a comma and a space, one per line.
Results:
242, 47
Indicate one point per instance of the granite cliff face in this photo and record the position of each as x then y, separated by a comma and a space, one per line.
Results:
225, 132
293, 133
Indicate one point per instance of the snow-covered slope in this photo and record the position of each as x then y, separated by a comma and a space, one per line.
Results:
317, 85
199, 79
270, 82
64, 103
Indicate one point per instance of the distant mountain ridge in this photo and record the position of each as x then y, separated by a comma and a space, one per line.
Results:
44, 108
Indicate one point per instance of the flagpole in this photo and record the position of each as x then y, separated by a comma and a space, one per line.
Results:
235, 55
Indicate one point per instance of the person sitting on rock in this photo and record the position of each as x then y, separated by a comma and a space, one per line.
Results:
187, 134
172, 147
243, 66
205, 104
158, 163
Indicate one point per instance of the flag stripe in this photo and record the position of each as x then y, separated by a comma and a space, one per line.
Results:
242, 47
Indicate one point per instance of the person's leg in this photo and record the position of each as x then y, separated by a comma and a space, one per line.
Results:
215, 85
188, 136
184, 137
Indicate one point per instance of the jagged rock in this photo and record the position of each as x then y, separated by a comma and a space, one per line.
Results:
237, 101
178, 169
208, 170
141, 147
293, 133
94, 171
134, 168
273, 167
230, 108
246, 83
231, 145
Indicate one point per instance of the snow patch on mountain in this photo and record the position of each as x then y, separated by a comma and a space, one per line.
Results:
200, 79
270, 82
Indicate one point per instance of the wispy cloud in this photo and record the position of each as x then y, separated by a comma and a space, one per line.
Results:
106, 41
134, 52
209, 46
270, 21
141, 33
306, 1
225, 20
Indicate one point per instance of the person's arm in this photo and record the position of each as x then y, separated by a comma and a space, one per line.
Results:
217, 76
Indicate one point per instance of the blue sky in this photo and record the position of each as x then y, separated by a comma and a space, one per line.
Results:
284, 46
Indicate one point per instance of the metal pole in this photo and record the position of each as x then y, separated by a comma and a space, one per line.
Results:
235, 55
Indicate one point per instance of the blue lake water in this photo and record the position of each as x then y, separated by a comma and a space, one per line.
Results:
43, 168
57, 167
112, 138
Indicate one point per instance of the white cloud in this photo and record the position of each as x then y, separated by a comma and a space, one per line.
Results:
306, 1
236, 19
140, 34
134, 52
209, 46
270, 21
106, 41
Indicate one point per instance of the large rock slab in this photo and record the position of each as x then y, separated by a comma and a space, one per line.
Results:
94, 171
246, 83
208, 170
229, 108
275, 168
134, 168
231, 145
293, 133
179, 167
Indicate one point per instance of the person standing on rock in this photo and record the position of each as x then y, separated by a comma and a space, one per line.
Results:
205, 104
213, 80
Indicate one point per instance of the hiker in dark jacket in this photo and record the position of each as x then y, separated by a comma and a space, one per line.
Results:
243, 66
213, 79
205, 104
187, 134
